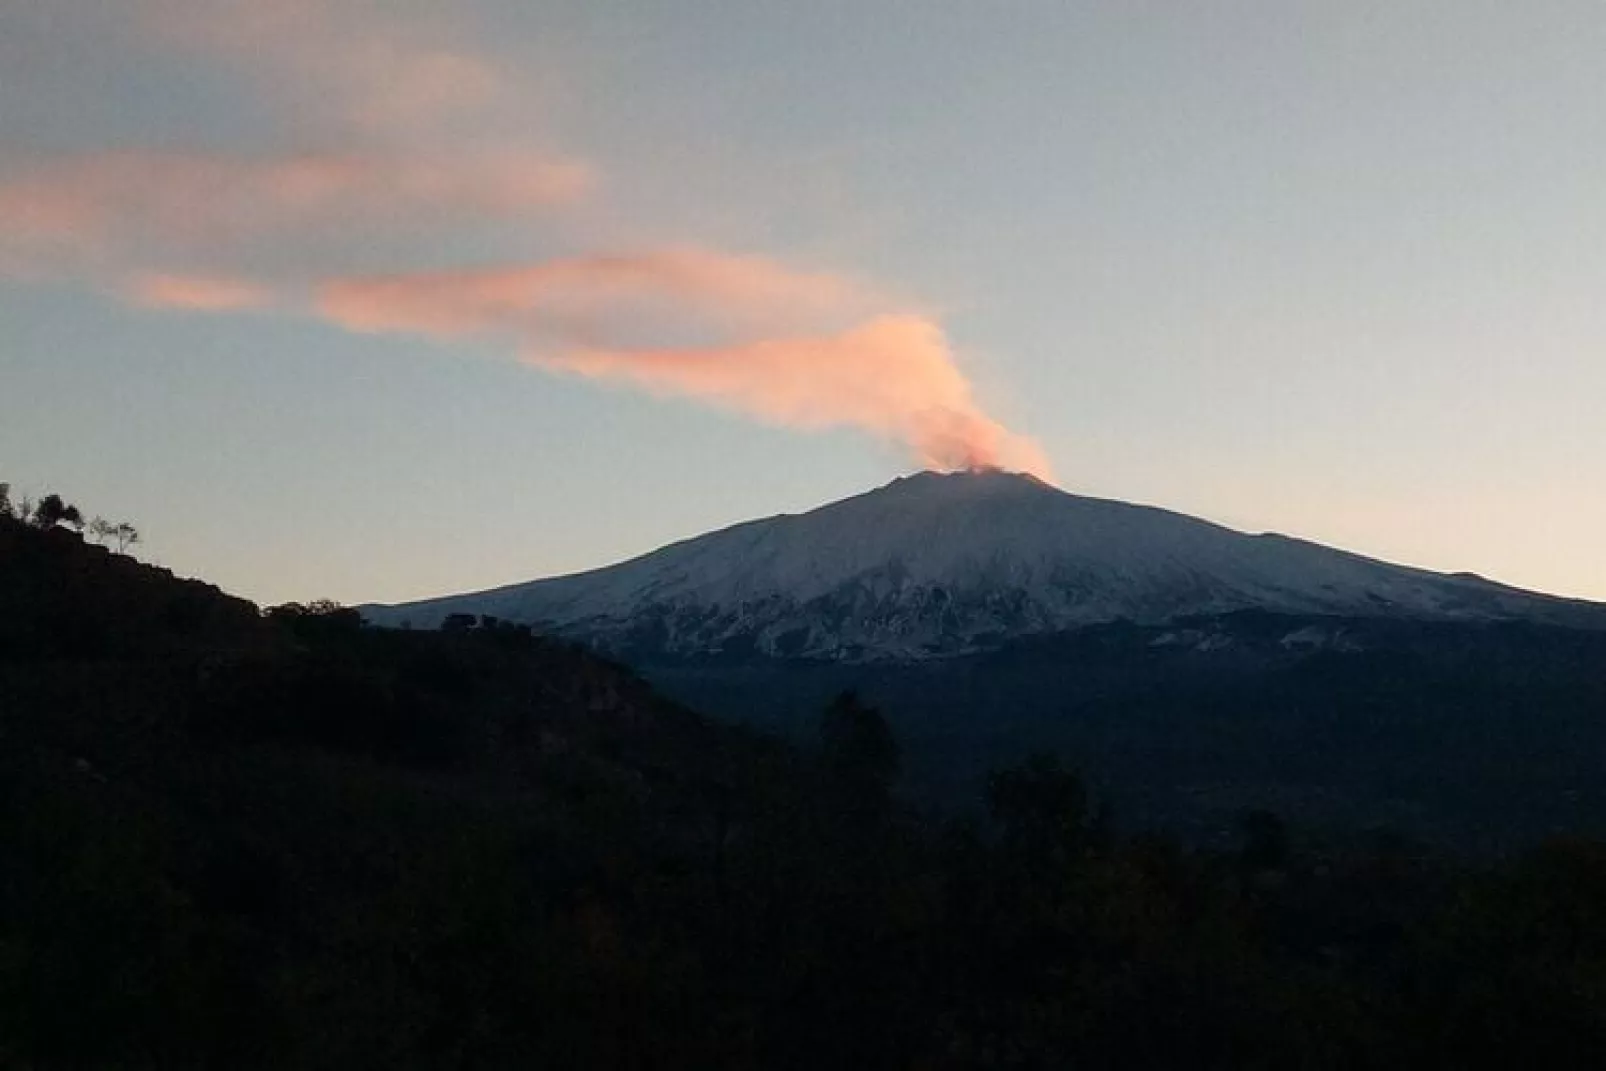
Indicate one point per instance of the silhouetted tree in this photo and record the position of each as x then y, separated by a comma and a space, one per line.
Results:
1041, 809
6, 508
457, 623
103, 531
52, 511
48, 511
860, 757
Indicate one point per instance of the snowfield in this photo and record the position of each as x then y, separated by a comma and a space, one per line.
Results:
941, 564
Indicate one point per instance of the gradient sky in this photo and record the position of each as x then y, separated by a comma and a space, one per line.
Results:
1333, 269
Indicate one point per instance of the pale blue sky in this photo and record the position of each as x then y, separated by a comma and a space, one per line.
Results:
1333, 269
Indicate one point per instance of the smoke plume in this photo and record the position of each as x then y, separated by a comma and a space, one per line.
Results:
397, 141
791, 348
893, 376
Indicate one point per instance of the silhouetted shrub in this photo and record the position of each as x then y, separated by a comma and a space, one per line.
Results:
321, 619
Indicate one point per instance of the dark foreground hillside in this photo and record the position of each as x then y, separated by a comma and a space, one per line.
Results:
230, 840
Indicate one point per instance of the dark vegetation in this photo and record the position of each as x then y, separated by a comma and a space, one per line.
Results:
235, 839
1484, 737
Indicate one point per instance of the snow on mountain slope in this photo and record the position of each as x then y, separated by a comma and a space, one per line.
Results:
936, 564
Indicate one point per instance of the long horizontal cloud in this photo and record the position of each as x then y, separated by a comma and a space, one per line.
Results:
387, 133
767, 347
124, 203
593, 294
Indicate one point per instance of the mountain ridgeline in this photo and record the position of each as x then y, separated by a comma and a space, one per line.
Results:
936, 565
1193, 670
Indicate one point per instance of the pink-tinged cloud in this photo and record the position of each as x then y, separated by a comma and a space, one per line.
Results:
766, 344
197, 293
580, 296
106, 204
893, 376
410, 110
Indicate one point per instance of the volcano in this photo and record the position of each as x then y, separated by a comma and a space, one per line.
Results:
942, 564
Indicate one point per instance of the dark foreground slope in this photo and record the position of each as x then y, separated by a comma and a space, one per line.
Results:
230, 841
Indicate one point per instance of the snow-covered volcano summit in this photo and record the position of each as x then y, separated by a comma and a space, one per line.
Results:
936, 564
